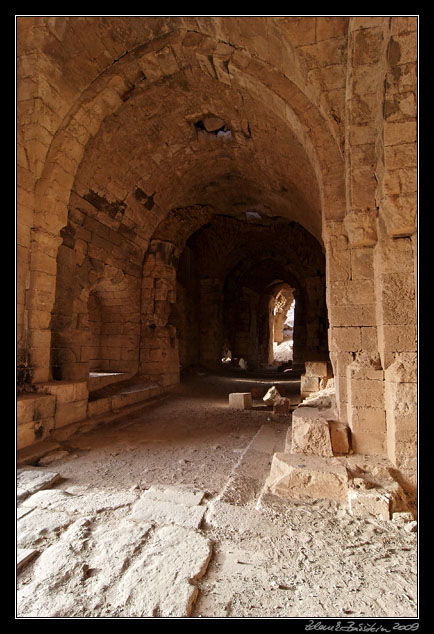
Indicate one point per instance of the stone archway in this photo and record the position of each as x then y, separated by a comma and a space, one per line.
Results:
326, 108
283, 302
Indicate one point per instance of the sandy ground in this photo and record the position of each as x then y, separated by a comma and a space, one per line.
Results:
271, 557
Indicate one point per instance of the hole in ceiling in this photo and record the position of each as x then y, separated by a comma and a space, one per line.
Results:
213, 126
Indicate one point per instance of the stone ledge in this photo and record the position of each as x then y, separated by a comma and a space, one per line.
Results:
31, 453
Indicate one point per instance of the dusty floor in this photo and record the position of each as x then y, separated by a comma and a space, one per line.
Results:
270, 557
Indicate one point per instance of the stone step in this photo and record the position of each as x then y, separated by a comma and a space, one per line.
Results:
122, 398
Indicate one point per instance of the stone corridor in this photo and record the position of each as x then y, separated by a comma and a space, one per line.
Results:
181, 182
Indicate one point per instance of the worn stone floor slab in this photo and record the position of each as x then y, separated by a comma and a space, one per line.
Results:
149, 509
116, 568
177, 494
90, 503
41, 524
24, 555
223, 515
160, 583
22, 511
30, 481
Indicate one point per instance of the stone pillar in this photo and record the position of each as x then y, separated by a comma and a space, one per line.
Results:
350, 243
246, 327
395, 255
40, 297
365, 406
265, 330
401, 408
70, 329
159, 359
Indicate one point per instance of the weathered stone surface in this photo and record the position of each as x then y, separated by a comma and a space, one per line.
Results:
52, 457
365, 503
212, 123
252, 469
150, 509
272, 396
161, 580
41, 524
316, 368
323, 400
310, 432
249, 521
309, 384
140, 569
176, 494
340, 437
59, 500
306, 477
240, 400
282, 408
24, 555
30, 481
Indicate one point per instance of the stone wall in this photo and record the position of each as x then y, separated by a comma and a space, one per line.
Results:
120, 166
371, 254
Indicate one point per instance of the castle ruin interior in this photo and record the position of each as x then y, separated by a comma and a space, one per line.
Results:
217, 272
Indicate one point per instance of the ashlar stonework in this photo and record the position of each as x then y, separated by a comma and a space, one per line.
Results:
181, 182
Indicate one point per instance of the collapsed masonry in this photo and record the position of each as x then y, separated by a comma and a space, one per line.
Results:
318, 461
175, 173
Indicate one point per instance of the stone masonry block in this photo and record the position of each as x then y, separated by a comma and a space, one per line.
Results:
62, 390
282, 407
369, 443
25, 408
34, 407
362, 315
403, 369
369, 503
340, 437
345, 339
67, 413
366, 393
316, 368
240, 400
368, 420
310, 432
301, 477
309, 383
31, 432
